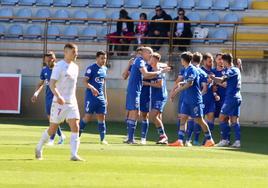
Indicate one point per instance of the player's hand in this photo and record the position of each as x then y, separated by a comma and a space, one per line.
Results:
145, 83
94, 91
217, 98
211, 76
34, 99
166, 69
60, 100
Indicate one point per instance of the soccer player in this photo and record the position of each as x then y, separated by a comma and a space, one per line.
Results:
158, 97
232, 102
192, 101
45, 75
191, 126
138, 70
64, 106
96, 96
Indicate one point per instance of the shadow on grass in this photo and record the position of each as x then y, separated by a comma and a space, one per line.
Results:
254, 139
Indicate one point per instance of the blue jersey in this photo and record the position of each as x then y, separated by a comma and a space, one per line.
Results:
45, 76
97, 75
233, 84
220, 90
192, 95
202, 77
159, 94
208, 97
135, 78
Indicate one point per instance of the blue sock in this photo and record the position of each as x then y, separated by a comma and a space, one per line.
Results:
236, 127
181, 135
224, 126
208, 135
197, 131
52, 136
82, 126
190, 129
131, 129
211, 125
59, 131
161, 131
144, 128
102, 130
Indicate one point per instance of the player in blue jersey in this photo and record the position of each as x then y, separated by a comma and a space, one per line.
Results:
192, 101
95, 96
191, 126
138, 71
232, 102
49, 61
159, 97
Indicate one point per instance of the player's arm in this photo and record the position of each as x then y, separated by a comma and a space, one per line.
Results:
94, 91
52, 86
125, 73
105, 92
204, 88
157, 84
38, 89
218, 80
151, 75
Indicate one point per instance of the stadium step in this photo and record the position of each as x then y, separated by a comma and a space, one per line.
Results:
252, 37
247, 54
260, 5
251, 20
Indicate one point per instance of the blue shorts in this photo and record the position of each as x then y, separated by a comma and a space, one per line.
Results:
192, 110
158, 105
97, 106
144, 103
209, 107
231, 108
48, 105
218, 105
133, 101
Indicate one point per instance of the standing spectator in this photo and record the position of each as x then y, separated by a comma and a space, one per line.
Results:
123, 29
158, 29
182, 30
141, 28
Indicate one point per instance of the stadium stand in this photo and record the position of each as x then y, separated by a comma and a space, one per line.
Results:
61, 16
2, 31
88, 33
71, 33
194, 16
115, 3
220, 5
9, 2
53, 32
42, 13
150, 4
27, 2
211, 17
62, 3
239, 5
169, 4
230, 17
6, 12
44, 2
204, 4
15, 31
79, 14
132, 3
187, 4
219, 36
33, 32
24, 15
79, 3
97, 3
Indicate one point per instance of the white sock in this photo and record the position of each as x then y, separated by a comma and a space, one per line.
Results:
42, 141
74, 142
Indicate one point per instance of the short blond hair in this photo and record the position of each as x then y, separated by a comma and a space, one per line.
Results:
157, 56
149, 49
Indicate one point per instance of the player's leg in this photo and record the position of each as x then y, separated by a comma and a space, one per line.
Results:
209, 140
197, 132
189, 132
210, 120
74, 138
235, 123
83, 122
156, 117
181, 129
144, 126
102, 128
132, 123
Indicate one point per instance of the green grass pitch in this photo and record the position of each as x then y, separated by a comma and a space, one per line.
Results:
119, 165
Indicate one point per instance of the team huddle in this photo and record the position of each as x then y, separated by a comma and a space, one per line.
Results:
205, 93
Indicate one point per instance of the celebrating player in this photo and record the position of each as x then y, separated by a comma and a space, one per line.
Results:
45, 75
64, 106
96, 96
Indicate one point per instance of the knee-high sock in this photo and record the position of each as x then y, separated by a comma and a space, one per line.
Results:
190, 129
43, 140
236, 127
210, 125
59, 132
74, 143
197, 131
144, 128
82, 126
131, 129
224, 127
102, 130
161, 131
181, 135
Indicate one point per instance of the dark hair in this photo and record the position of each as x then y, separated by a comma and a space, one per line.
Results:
99, 53
70, 46
219, 54
144, 15
181, 10
158, 6
187, 56
207, 55
228, 58
123, 13
197, 57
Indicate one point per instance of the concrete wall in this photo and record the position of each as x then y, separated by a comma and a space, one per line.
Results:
254, 89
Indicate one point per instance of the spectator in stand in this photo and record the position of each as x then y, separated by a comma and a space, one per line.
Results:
124, 29
182, 30
158, 29
141, 28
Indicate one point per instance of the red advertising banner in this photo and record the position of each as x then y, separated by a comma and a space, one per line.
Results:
10, 93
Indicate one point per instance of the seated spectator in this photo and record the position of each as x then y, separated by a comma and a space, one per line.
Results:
182, 30
158, 29
124, 29
141, 28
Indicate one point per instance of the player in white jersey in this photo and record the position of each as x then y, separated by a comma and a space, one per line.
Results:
64, 107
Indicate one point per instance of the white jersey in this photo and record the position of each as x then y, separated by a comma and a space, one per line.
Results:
66, 76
